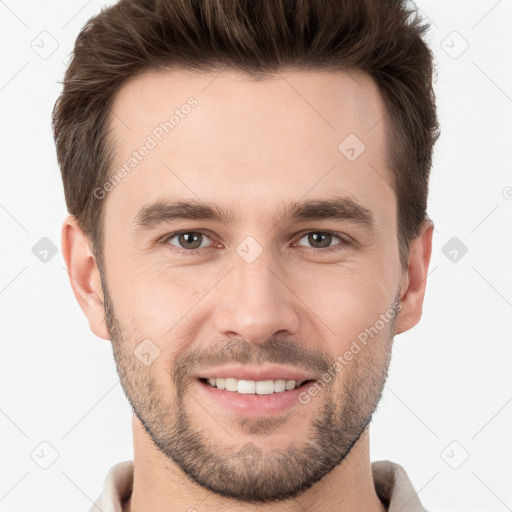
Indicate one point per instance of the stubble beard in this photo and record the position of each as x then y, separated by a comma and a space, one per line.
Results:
253, 474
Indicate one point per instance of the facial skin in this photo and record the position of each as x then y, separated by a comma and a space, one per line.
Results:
252, 148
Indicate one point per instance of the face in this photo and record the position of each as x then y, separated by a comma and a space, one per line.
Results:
251, 271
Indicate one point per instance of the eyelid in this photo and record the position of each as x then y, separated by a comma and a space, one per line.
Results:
344, 239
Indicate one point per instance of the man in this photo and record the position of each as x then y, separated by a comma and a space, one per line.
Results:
247, 185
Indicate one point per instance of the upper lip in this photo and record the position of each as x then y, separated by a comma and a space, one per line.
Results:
269, 372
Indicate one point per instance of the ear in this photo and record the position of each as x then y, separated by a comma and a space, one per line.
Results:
84, 275
414, 280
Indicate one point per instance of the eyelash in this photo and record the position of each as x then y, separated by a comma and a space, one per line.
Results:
192, 252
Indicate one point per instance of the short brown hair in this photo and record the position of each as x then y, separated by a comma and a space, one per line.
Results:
383, 38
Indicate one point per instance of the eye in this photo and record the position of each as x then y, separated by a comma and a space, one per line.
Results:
188, 240
192, 242
323, 240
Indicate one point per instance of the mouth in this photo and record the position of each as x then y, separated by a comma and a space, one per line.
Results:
254, 387
250, 391
251, 398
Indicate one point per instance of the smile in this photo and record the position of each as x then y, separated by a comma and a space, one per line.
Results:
251, 387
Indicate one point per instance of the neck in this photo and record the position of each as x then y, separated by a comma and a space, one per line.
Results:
161, 486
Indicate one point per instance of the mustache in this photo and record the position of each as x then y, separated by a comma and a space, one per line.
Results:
276, 350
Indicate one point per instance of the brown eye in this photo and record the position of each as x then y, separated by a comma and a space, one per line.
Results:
321, 239
188, 240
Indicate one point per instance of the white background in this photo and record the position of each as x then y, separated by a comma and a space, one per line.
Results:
450, 378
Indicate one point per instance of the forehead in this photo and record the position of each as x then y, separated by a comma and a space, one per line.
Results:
225, 137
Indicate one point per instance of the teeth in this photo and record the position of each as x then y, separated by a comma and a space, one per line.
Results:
290, 384
246, 387
251, 387
279, 385
264, 387
231, 384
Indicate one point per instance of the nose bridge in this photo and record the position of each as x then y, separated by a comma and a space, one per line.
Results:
254, 302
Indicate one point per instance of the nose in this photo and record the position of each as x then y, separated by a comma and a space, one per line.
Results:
255, 301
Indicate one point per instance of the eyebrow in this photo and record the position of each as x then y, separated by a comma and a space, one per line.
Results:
168, 210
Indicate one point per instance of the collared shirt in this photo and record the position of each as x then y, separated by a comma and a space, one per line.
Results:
392, 486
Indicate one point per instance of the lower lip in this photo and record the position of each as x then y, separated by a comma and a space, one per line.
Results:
253, 405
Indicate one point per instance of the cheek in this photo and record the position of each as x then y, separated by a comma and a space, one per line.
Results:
151, 298
347, 299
